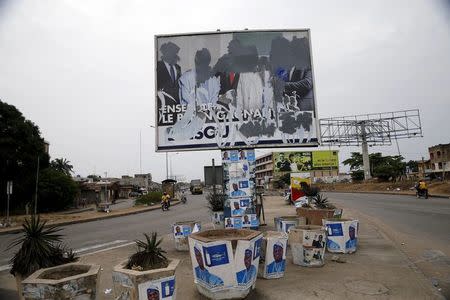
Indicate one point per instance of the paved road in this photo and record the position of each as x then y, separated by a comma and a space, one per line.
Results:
97, 235
420, 227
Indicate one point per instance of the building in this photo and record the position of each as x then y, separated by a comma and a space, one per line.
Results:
439, 160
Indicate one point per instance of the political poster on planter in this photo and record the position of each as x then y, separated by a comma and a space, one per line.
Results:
211, 264
180, 231
250, 220
299, 182
313, 247
233, 223
275, 257
246, 261
163, 288
342, 235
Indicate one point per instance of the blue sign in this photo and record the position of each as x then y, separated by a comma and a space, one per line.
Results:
167, 288
243, 184
216, 255
186, 230
251, 155
237, 222
335, 229
234, 155
244, 202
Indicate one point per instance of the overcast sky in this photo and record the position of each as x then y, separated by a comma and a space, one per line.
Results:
83, 71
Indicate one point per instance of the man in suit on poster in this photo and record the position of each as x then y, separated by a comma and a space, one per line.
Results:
168, 72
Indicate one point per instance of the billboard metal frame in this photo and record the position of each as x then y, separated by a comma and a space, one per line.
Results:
259, 146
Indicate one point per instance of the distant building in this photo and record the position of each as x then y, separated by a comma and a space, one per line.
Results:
440, 160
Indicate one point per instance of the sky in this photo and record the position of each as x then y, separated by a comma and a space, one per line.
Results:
83, 70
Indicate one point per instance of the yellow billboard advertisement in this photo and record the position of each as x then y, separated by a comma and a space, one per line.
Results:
304, 161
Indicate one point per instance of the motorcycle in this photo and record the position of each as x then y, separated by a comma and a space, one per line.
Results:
183, 199
164, 205
422, 193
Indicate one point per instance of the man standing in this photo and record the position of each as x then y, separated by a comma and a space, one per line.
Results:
283, 164
202, 274
236, 191
237, 211
168, 72
245, 276
278, 265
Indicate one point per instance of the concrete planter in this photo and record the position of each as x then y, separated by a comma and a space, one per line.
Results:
181, 231
69, 281
342, 235
133, 285
308, 245
218, 219
315, 216
273, 255
225, 262
283, 223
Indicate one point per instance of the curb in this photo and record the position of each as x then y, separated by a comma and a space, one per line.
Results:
64, 223
386, 193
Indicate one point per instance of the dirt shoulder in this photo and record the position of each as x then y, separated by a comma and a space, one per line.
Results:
440, 189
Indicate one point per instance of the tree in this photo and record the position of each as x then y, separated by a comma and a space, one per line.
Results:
57, 190
21, 145
95, 178
62, 165
413, 165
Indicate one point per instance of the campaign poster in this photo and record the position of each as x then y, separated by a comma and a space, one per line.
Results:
313, 248
233, 223
249, 221
235, 89
246, 261
211, 264
275, 257
342, 236
286, 224
304, 161
299, 182
159, 289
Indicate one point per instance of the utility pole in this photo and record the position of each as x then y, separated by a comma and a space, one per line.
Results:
214, 177
36, 190
365, 153
167, 165
140, 151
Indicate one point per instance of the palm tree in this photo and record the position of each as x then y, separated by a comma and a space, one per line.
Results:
62, 165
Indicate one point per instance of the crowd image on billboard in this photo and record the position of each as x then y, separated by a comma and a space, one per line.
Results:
233, 89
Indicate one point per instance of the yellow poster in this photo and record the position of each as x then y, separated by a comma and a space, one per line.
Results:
298, 183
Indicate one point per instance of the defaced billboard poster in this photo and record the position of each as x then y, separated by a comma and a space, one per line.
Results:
235, 89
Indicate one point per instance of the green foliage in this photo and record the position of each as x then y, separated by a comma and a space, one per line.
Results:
20, 146
40, 247
413, 165
149, 254
149, 199
62, 165
322, 202
216, 202
383, 167
286, 179
57, 191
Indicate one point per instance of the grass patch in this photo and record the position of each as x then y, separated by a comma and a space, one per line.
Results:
149, 199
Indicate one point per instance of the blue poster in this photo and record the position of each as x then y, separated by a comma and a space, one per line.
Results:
216, 255
251, 155
237, 222
234, 155
335, 229
257, 248
243, 184
244, 202
186, 230
167, 288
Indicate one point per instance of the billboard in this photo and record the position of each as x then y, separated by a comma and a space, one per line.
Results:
305, 161
235, 89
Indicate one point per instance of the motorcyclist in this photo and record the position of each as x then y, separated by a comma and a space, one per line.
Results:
422, 188
165, 199
183, 196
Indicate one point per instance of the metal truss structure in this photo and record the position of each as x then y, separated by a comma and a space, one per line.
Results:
370, 130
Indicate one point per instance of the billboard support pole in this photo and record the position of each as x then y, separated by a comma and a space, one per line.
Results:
365, 153
214, 177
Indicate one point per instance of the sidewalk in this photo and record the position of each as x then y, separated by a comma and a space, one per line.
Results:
378, 270
122, 208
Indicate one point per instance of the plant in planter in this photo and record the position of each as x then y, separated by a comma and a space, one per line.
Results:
147, 273
40, 249
317, 209
216, 203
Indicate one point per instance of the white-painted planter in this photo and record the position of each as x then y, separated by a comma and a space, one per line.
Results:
342, 235
218, 219
308, 245
181, 231
138, 285
225, 262
272, 264
82, 285
283, 223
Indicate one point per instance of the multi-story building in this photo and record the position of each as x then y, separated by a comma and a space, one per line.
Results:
440, 159
264, 169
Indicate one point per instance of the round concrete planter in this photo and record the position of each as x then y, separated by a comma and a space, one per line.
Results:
308, 245
218, 219
283, 223
342, 235
273, 255
181, 231
315, 216
225, 262
81, 282
133, 285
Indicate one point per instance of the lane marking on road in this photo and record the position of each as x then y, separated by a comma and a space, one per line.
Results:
84, 249
5, 267
110, 248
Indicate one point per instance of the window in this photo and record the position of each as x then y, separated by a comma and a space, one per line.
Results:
440, 165
438, 154
431, 155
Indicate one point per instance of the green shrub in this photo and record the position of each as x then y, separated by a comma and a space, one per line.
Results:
149, 199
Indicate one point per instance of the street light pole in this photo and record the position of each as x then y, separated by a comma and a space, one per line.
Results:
167, 158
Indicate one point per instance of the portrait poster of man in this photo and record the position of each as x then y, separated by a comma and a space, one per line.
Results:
304, 161
246, 262
231, 89
275, 258
163, 288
